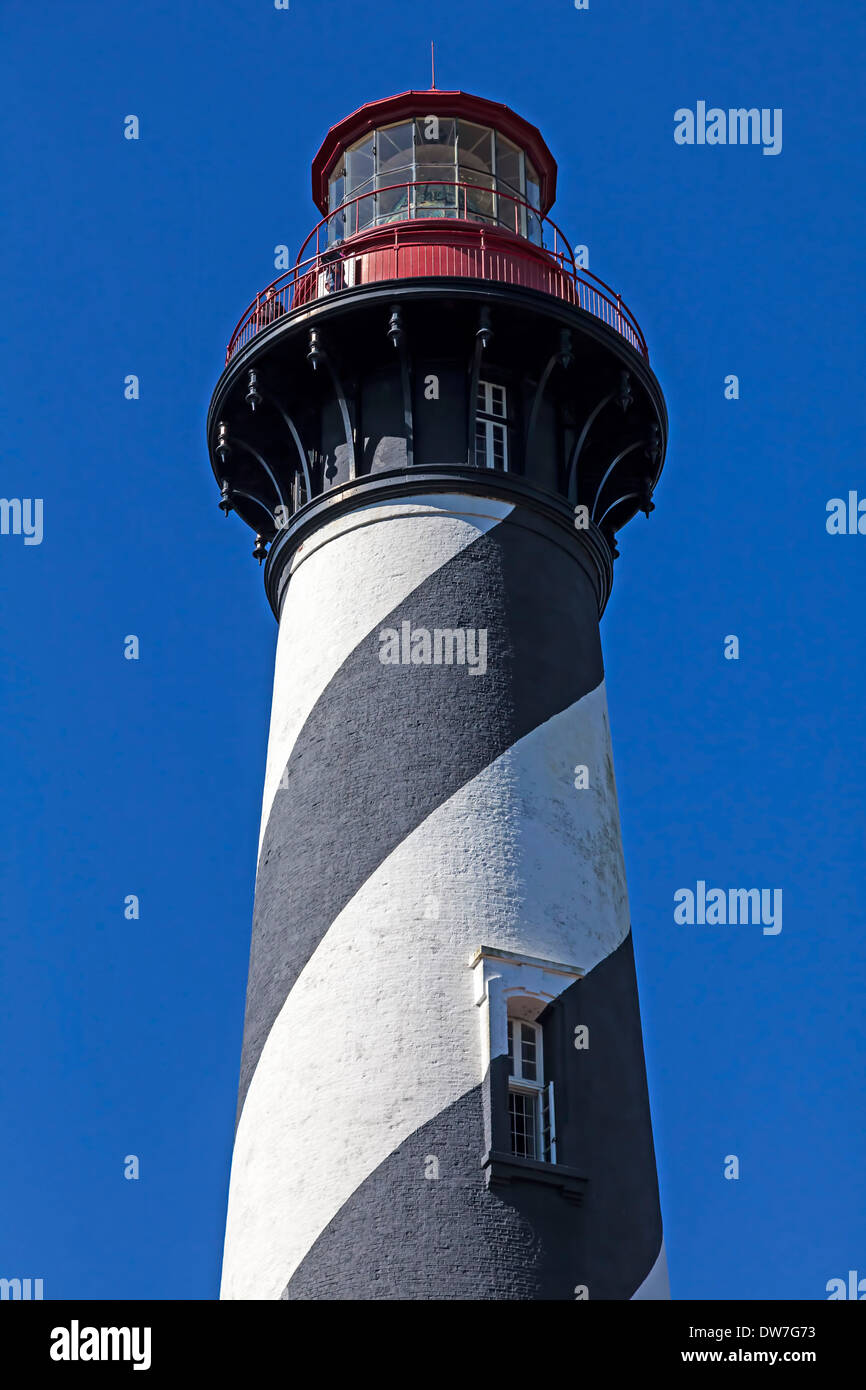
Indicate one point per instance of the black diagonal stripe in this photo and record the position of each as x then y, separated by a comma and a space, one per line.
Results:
403, 1235
385, 745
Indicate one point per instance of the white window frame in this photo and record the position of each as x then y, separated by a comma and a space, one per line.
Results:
536, 1089
517, 1025
493, 424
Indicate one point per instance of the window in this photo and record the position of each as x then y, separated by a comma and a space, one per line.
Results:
336, 198
475, 167
511, 185
526, 1057
530, 1101
491, 426
360, 168
533, 197
436, 161
394, 165
428, 157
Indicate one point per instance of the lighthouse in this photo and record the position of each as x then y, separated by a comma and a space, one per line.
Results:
436, 424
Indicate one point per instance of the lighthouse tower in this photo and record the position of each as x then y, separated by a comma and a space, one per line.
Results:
436, 423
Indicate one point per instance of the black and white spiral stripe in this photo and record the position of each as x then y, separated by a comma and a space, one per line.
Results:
410, 815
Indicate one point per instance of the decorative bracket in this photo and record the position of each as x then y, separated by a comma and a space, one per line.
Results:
397, 336
563, 357
293, 431
571, 478
316, 355
242, 444
620, 456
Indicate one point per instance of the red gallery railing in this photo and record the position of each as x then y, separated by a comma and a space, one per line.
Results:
364, 253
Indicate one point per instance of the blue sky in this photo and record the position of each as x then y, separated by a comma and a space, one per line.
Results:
145, 777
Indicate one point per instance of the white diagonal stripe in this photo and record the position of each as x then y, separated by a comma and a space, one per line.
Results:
380, 1032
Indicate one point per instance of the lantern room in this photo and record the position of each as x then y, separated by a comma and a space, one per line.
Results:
435, 332
434, 154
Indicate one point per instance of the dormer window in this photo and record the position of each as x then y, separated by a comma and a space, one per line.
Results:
527, 1059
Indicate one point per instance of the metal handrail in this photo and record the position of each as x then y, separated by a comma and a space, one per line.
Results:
596, 297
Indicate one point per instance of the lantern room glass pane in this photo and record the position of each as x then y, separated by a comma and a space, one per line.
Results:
533, 185
476, 203
438, 197
394, 165
509, 166
359, 165
510, 184
474, 147
392, 204
364, 211
336, 185
336, 197
394, 151
475, 167
435, 160
435, 140
533, 197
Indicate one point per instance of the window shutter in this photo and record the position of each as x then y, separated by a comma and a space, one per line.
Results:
548, 1124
